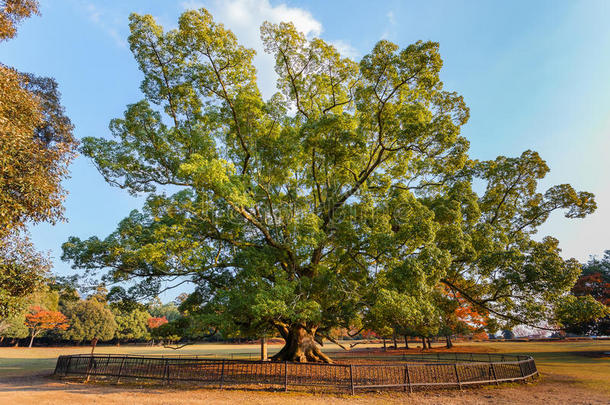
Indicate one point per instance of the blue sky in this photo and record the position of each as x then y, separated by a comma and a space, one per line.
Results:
536, 75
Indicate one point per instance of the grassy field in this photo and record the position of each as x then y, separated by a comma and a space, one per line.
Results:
571, 372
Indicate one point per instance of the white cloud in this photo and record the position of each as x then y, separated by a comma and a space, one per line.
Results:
390, 28
109, 24
345, 49
244, 18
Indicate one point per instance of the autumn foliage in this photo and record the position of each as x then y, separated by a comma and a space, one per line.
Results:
594, 285
40, 320
155, 322
468, 314
12, 12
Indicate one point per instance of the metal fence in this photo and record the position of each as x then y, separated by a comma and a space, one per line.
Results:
411, 373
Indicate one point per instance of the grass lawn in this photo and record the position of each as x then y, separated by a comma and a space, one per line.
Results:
571, 372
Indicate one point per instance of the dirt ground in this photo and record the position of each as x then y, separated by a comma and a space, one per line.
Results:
42, 390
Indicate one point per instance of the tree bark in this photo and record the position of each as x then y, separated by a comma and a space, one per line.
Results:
300, 346
429, 344
31, 341
263, 348
449, 342
395, 341
423, 341
406, 342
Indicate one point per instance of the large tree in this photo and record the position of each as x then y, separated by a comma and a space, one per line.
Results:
295, 213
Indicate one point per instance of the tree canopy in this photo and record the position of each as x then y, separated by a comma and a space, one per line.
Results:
132, 325
40, 320
348, 191
89, 320
12, 12
581, 314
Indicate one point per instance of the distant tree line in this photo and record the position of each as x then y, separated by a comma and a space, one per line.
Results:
58, 314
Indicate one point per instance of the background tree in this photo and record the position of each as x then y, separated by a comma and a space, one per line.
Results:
594, 282
131, 325
577, 312
458, 317
169, 332
11, 14
40, 320
66, 289
13, 326
89, 319
154, 322
293, 213
22, 270
36, 146
168, 311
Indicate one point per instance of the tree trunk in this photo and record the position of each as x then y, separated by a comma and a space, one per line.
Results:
300, 346
406, 342
384, 345
264, 348
31, 341
449, 342
423, 341
429, 344
395, 341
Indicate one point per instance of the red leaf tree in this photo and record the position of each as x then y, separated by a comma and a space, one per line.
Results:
154, 322
40, 320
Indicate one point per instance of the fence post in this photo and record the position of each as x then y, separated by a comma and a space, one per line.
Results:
89, 367
521, 369
493, 370
120, 370
222, 374
285, 375
59, 361
68, 366
351, 378
457, 376
407, 380
166, 371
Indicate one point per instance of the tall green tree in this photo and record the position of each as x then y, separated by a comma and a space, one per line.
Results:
131, 325
89, 319
293, 213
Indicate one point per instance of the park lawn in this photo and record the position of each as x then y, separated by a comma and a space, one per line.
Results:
22, 361
578, 362
571, 373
